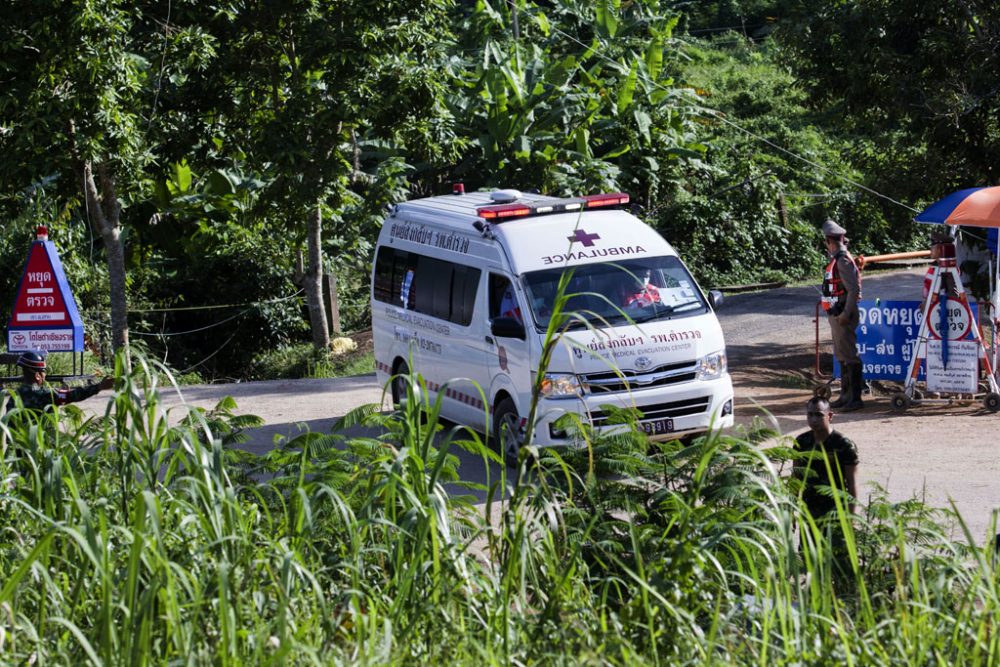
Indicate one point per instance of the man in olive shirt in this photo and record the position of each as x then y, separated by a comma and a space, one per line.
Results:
37, 395
818, 443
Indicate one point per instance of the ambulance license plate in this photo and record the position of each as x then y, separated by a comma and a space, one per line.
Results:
658, 427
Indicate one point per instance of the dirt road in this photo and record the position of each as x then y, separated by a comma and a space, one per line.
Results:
942, 454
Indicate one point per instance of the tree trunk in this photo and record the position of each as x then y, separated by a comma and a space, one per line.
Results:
332, 303
314, 280
105, 215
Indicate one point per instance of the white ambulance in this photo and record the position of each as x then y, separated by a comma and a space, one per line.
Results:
462, 293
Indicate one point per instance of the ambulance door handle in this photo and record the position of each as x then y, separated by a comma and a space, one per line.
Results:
489, 339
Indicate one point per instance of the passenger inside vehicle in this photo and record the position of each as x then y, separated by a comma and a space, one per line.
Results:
503, 300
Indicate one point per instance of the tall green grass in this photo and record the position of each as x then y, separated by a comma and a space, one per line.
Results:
131, 539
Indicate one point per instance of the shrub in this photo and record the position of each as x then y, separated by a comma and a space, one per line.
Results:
305, 361
134, 540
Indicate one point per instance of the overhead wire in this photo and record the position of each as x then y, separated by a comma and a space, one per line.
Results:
177, 333
214, 306
252, 306
220, 349
860, 186
802, 206
727, 28
163, 61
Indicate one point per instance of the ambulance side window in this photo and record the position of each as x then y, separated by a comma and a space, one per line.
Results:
434, 297
395, 277
446, 290
464, 286
382, 283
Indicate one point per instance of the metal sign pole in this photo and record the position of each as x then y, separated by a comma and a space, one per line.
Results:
995, 294
902, 400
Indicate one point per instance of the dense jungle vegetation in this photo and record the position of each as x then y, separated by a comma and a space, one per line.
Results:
231, 154
128, 540
203, 165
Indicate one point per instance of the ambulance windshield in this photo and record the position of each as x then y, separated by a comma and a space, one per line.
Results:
613, 293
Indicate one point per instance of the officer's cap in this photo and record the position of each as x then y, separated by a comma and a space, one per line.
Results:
831, 228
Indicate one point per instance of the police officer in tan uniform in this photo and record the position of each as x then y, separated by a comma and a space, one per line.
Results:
841, 293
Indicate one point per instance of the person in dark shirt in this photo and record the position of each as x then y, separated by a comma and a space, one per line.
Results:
827, 465
819, 444
35, 394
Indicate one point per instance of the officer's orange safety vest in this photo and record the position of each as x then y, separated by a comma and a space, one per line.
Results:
833, 286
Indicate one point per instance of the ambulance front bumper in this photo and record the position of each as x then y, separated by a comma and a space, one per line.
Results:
696, 407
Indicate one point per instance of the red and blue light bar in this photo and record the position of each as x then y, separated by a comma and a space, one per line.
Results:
503, 212
607, 199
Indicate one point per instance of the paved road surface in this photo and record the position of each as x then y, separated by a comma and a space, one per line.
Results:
755, 325
760, 324
940, 453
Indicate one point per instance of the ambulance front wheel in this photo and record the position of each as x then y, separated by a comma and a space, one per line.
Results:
507, 431
899, 401
992, 402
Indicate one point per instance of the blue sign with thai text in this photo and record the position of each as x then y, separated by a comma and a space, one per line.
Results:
887, 335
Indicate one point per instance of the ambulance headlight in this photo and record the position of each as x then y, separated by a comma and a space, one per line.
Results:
712, 366
561, 385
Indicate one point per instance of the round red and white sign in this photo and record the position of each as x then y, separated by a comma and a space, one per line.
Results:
959, 322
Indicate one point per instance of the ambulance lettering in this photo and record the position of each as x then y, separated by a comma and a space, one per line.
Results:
596, 252
426, 236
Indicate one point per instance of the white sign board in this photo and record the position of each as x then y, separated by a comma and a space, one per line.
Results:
47, 340
962, 374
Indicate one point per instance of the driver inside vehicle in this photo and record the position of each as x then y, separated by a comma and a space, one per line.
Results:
643, 294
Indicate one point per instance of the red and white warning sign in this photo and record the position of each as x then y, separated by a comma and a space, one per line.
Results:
44, 316
959, 323
39, 299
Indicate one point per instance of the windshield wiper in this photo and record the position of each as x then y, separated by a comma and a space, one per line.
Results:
693, 302
662, 310
639, 319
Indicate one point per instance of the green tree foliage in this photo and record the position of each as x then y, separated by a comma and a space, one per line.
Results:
910, 86
227, 126
748, 18
582, 101
748, 210
209, 144
308, 78
220, 278
78, 107
604, 96
915, 80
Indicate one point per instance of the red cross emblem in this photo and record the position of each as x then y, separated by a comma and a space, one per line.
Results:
580, 236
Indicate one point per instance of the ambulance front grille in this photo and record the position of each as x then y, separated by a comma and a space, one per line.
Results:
610, 382
671, 409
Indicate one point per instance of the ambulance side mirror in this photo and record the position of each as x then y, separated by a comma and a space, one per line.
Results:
507, 327
715, 299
